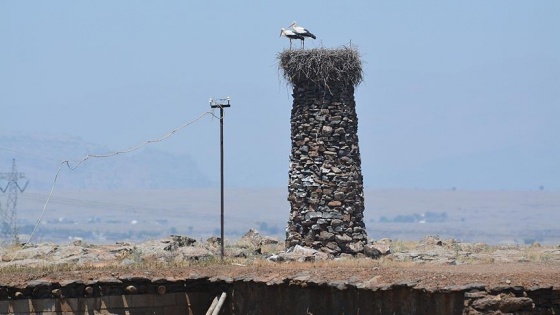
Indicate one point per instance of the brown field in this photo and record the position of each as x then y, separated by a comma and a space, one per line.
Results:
494, 217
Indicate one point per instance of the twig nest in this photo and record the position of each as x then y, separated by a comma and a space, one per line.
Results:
322, 66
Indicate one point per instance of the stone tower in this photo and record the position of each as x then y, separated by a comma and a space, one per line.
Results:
325, 187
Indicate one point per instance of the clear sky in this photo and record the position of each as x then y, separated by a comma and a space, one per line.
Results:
456, 93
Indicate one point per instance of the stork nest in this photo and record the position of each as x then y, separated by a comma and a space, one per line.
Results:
322, 66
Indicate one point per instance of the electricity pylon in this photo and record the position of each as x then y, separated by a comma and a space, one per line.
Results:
9, 213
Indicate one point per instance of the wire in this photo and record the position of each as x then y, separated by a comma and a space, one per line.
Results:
42, 212
87, 157
169, 134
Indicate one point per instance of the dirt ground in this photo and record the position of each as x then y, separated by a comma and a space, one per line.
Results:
375, 274
430, 263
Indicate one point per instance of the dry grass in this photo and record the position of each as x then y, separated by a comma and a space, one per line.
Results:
322, 66
402, 246
478, 254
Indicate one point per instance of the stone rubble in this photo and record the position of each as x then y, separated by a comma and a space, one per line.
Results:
253, 245
478, 297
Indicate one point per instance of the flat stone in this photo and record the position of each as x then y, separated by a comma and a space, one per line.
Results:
336, 222
475, 295
333, 246
313, 215
69, 283
475, 286
108, 280
356, 247
326, 236
39, 283
322, 221
133, 278
334, 203
382, 248
343, 238
339, 131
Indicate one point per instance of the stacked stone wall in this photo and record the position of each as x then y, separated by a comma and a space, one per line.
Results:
325, 189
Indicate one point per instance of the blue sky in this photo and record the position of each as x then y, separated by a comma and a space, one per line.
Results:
462, 93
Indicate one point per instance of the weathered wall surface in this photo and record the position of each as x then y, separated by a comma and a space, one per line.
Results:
125, 295
330, 300
174, 303
297, 295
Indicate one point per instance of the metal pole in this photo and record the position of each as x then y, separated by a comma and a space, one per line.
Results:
221, 105
222, 181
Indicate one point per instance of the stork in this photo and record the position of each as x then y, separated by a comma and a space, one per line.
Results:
301, 31
291, 35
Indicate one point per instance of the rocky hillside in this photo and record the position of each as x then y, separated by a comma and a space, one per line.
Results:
39, 156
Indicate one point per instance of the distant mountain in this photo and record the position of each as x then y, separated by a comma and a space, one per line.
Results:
39, 157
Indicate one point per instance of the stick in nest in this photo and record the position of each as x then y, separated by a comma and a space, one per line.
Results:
322, 66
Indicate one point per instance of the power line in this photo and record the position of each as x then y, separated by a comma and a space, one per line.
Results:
88, 156
169, 134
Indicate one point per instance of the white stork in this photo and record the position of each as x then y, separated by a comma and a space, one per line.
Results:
291, 35
301, 31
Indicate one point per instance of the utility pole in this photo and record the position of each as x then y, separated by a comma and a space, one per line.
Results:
221, 104
9, 214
